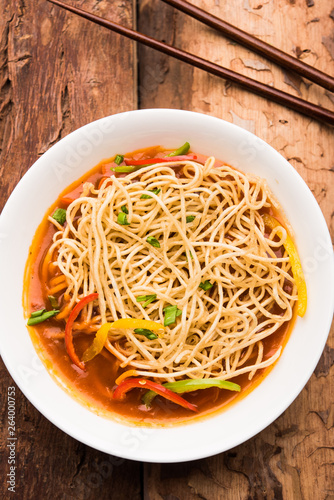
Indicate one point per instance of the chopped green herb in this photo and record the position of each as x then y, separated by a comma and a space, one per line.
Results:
124, 209
40, 316
183, 150
147, 196
147, 333
190, 218
206, 285
35, 314
60, 216
122, 219
53, 301
119, 159
171, 313
153, 241
147, 299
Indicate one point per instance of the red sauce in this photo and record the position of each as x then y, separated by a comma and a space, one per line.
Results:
94, 386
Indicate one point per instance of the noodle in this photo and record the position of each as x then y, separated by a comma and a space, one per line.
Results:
209, 228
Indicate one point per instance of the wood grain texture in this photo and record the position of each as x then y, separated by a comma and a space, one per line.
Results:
57, 73
292, 458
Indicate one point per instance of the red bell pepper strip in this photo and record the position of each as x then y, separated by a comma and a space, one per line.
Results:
152, 161
68, 329
143, 383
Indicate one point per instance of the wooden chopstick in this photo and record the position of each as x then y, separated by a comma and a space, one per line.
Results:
265, 49
288, 100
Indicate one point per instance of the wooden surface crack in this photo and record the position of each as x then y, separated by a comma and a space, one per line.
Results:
6, 91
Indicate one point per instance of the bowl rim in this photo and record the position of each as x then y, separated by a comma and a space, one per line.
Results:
143, 451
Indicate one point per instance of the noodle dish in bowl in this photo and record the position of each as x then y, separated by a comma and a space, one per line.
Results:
171, 285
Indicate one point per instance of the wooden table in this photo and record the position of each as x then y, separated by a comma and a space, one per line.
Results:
58, 72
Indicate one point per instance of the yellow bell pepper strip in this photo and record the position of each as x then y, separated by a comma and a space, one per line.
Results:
98, 343
68, 329
122, 324
124, 375
132, 323
142, 383
296, 266
190, 385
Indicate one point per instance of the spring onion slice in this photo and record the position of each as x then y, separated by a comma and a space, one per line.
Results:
119, 159
171, 313
122, 219
153, 241
146, 333
147, 299
53, 301
206, 285
183, 150
190, 218
60, 215
35, 314
147, 196
40, 316
124, 209
190, 385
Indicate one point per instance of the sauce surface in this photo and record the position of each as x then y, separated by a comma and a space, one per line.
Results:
94, 386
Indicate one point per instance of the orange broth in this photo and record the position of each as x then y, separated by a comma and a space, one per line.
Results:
94, 387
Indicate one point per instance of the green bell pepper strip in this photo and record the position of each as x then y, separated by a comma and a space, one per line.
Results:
127, 169
190, 385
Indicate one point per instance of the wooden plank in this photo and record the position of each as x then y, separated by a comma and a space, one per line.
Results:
293, 457
51, 84
57, 72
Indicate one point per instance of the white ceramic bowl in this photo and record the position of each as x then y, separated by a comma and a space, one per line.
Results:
67, 161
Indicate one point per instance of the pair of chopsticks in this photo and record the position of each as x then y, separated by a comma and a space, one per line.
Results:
249, 41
